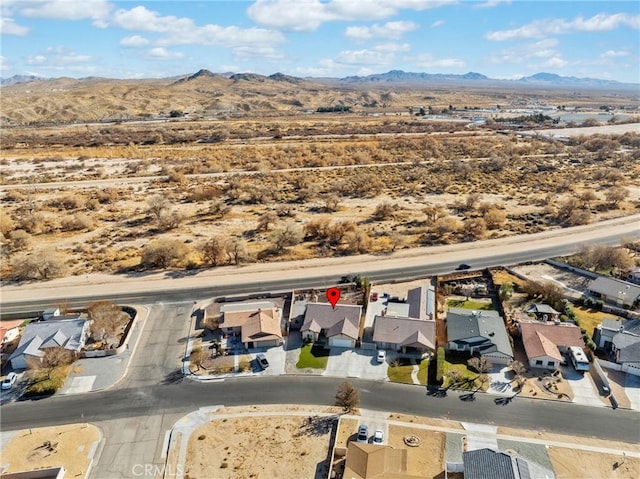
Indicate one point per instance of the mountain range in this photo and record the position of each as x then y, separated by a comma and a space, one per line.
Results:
393, 76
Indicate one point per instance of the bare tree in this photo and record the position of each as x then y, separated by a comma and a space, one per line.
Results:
20, 240
472, 200
347, 397
214, 250
266, 221
237, 250
164, 253
6, 223
51, 359
358, 241
475, 228
106, 318
480, 364
289, 235
197, 356
157, 205
588, 197
44, 263
385, 211
495, 218
615, 195
518, 370
397, 240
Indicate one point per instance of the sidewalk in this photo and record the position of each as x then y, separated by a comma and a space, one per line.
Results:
96, 374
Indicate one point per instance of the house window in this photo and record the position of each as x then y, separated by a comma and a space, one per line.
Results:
539, 362
551, 363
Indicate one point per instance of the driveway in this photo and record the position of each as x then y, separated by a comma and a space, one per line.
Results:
583, 391
632, 388
499, 382
355, 364
276, 357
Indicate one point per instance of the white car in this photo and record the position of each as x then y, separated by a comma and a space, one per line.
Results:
381, 357
9, 381
378, 437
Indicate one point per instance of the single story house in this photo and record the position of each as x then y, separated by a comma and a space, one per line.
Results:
621, 339
615, 291
543, 312
9, 330
490, 464
257, 324
405, 335
545, 342
339, 326
422, 302
633, 276
479, 332
70, 334
368, 461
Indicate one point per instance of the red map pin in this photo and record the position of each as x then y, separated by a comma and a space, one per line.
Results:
333, 295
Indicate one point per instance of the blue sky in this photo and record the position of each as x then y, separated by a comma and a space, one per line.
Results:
499, 38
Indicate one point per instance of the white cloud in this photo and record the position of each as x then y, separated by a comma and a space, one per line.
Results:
491, 3
555, 62
614, 54
134, 41
541, 49
183, 30
429, 61
8, 26
57, 56
391, 30
164, 54
392, 47
437, 23
365, 57
97, 10
541, 28
308, 15
4, 63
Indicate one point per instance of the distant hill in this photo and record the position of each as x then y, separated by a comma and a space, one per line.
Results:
20, 79
204, 94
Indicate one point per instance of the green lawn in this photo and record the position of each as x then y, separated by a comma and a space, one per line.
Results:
466, 373
470, 304
402, 372
590, 318
313, 357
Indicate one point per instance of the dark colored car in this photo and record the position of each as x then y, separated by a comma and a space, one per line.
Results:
463, 266
262, 360
363, 434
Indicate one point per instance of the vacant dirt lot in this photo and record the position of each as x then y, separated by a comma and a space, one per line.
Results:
573, 463
263, 447
71, 446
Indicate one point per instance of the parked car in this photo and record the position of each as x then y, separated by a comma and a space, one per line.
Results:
363, 433
262, 360
9, 381
378, 437
463, 266
374, 296
382, 355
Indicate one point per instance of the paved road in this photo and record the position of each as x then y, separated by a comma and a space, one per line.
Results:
320, 272
182, 395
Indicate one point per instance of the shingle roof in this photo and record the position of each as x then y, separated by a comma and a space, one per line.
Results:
465, 324
343, 319
404, 331
536, 334
490, 464
612, 287
630, 354
417, 299
67, 333
366, 461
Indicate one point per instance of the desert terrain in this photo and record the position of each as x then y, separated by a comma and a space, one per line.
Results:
197, 191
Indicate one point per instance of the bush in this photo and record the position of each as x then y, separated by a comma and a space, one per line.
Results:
440, 365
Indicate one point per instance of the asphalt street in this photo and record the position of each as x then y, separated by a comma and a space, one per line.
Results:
177, 395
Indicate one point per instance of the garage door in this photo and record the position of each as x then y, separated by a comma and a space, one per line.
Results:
341, 343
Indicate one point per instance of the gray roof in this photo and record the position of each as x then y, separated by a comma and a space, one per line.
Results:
343, 319
612, 288
490, 464
465, 324
421, 302
404, 331
542, 308
630, 354
68, 333
622, 340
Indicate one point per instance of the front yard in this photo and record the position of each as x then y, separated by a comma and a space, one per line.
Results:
46, 383
457, 364
400, 371
312, 356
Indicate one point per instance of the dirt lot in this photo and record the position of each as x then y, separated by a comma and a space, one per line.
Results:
71, 446
573, 463
259, 447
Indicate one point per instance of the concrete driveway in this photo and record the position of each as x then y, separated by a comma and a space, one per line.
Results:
277, 359
583, 391
632, 388
355, 364
499, 382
